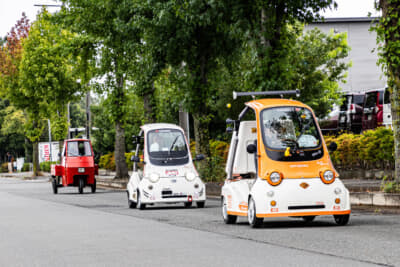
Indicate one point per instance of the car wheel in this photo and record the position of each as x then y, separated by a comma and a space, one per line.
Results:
81, 185
251, 214
200, 204
131, 204
188, 204
228, 219
94, 186
54, 185
342, 219
308, 218
139, 204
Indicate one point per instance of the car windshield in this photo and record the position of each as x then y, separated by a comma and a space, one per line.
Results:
289, 127
167, 146
79, 149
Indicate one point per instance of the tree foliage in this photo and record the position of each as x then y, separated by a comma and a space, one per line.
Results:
388, 39
112, 25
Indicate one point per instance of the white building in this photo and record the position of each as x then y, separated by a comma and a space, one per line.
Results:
364, 74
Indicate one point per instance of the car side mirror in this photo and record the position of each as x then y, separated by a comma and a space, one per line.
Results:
199, 157
135, 159
251, 148
332, 147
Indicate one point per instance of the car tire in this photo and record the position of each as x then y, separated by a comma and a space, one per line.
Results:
308, 219
200, 204
131, 204
81, 185
228, 219
54, 185
251, 214
93, 186
341, 219
187, 204
139, 203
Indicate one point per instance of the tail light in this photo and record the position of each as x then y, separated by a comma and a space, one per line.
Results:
352, 109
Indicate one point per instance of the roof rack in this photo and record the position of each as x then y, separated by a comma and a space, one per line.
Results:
267, 93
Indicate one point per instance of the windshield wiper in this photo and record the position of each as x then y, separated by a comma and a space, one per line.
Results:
173, 143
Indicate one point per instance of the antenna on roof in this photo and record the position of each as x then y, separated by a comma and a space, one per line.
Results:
267, 93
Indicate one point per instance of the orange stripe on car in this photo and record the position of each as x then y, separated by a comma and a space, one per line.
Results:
308, 213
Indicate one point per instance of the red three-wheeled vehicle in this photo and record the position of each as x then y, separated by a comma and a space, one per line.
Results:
77, 166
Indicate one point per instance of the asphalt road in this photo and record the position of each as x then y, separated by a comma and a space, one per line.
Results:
38, 228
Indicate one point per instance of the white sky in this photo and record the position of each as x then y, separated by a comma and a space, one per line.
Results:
11, 10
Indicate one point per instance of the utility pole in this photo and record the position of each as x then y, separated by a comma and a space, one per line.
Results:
69, 121
184, 122
88, 115
48, 122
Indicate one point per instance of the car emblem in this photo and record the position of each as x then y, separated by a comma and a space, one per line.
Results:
304, 185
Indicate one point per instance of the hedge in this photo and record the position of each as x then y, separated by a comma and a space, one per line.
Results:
107, 161
46, 165
371, 150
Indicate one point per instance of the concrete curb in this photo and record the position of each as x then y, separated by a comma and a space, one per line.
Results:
375, 199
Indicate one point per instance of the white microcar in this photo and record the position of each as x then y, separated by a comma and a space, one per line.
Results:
163, 170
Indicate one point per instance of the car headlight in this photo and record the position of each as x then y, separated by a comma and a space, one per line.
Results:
327, 176
275, 178
190, 176
154, 177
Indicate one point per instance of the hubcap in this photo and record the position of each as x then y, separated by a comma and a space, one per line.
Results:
224, 211
250, 213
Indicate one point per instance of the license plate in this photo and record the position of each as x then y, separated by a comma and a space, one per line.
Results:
81, 169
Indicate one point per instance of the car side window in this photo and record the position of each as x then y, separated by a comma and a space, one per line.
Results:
370, 100
386, 97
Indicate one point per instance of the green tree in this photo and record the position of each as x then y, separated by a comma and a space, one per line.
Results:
46, 80
104, 135
267, 26
112, 24
317, 65
191, 36
388, 39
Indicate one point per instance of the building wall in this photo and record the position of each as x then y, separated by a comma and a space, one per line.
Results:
364, 73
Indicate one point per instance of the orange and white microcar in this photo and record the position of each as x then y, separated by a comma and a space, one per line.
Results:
279, 166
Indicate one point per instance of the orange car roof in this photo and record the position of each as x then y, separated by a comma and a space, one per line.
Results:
261, 104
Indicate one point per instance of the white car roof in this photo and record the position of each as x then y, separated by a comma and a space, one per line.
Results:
155, 126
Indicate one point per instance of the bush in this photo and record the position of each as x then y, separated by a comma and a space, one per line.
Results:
107, 161
26, 167
372, 149
216, 161
4, 167
46, 165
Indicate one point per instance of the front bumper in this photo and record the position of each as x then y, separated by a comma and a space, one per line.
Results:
172, 190
291, 199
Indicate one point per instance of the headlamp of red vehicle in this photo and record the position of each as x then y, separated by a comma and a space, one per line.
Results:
327, 176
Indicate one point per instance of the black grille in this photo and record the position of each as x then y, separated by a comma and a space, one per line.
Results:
175, 196
308, 207
166, 192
